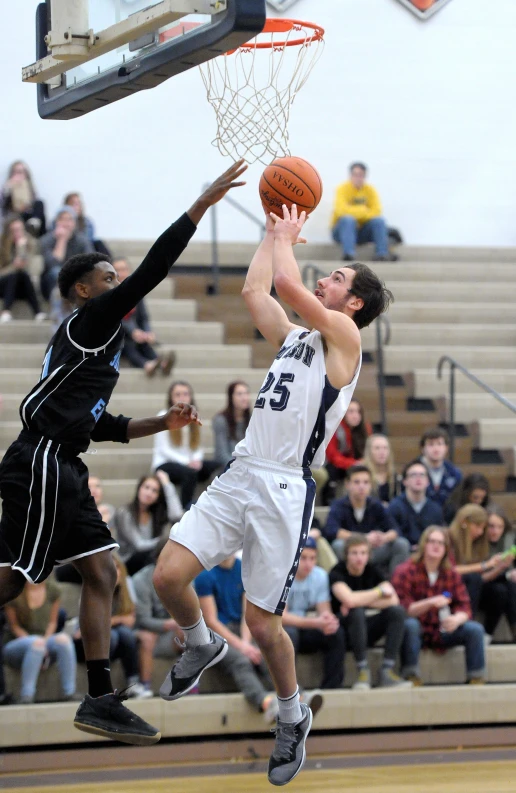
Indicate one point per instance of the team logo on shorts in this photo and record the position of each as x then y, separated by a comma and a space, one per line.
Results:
283, 485
424, 9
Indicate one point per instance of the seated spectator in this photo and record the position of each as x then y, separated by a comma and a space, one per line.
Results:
15, 280
473, 489
19, 196
346, 448
470, 550
444, 476
179, 452
357, 587
359, 513
33, 642
357, 217
229, 426
139, 336
107, 511
155, 628
412, 511
124, 645
498, 595
221, 596
379, 459
84, 224
140, 524
5, 699
438, 607
58, 245
309, 620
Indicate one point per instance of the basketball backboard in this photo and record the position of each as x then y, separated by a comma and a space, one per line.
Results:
94, 52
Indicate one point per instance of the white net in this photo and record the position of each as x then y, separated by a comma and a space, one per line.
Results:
253, 88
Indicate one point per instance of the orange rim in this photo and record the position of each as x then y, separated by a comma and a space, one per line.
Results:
283, 26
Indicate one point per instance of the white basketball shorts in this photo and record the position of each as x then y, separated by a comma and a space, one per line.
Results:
262, 507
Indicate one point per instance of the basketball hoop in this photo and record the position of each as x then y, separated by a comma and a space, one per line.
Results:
252, 94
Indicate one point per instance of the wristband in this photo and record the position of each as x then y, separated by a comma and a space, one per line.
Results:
380, 590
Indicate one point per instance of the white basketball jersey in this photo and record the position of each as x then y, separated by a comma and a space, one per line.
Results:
297, 410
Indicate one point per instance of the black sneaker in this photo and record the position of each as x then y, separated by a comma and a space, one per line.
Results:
107, 716
185, 674
288, 756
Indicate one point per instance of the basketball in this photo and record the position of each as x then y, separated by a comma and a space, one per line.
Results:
290, 180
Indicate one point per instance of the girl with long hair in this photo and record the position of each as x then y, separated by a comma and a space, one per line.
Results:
346, 448
18, 195
179, 452
470, 547
379, 459
474, 489
229, 426
84, 224
498, 596
15, 281
139, 525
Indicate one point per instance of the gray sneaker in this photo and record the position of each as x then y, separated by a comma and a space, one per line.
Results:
389, 679
289, 753
185, 674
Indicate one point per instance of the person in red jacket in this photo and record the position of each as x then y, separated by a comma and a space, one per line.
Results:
346, 448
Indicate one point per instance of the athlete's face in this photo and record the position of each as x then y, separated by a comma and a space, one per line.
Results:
307, 563
334, 291
103, 279
148, 492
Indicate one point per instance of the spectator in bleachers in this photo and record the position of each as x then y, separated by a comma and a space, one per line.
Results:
179, 452
357, 587
221, 596
19, 196
357, 217
426, 584
358, 512
5, 698
140, 524
309, 620
107, 511
229, 426
139, 336
124, 645
33, 642
379, 459
444, 476
155, 628
412, 511
58, 245
346, 448
470, 549
84, 224
498, 596
473, 489
15, 282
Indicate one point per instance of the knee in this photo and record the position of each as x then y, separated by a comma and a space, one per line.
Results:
356, 616
473, 631
39, 645
347, 221
378, 222
265, 628
396, 613
63, 640
412, 627
401, 545
99, 573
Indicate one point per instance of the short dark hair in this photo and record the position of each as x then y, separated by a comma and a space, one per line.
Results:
76, 268
358, 165
411, 464
358, 469
433, 435
355, 539
377, 298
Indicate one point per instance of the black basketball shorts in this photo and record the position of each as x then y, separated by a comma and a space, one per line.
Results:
49, 516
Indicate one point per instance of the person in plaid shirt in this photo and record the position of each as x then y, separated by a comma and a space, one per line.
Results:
426, 585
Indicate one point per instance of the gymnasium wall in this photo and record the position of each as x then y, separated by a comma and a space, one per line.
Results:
429, 106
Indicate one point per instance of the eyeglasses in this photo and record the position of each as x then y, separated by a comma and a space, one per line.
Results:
436, 542
415, 474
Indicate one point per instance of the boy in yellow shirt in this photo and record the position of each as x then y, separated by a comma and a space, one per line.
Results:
357, 217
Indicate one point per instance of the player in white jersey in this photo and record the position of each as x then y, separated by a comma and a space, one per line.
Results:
263, 502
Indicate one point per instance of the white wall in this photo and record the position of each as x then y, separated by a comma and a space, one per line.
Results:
429, 106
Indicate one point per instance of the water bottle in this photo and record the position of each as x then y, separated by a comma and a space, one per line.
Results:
445, 611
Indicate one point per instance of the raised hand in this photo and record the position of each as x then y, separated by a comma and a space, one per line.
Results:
224, 183
180, 415
289, 226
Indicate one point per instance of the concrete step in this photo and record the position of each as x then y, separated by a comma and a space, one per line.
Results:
169, 332
474, 407
404, 358
176, 310
424, 333
497, 433
465, 291
454, 313
427, 384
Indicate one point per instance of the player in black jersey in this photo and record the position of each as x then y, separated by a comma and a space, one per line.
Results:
49, 516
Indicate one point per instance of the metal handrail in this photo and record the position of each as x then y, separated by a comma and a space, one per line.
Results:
454, 365
215, 261
310, 272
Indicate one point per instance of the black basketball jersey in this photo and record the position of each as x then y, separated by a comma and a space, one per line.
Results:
81, 364
75, 386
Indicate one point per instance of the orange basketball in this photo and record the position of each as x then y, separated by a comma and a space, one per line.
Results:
290, 180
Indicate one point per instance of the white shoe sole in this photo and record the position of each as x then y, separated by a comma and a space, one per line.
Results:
170, 698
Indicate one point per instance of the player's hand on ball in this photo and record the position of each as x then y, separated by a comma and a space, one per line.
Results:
224, 183
289, 226
180, 415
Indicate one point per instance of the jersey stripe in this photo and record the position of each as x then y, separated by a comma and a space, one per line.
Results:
84, 349
57, 386
30, 503
30, 398
329, 396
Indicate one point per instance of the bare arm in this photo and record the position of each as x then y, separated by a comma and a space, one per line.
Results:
14, 625
352, 599
268, 316
52, 620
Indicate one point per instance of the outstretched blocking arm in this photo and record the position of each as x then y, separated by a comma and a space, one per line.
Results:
268, 316
122, 429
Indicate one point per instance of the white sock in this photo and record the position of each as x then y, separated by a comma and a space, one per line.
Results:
290, 708
197, 634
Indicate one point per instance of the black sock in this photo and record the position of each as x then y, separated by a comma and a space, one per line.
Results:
99, 678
